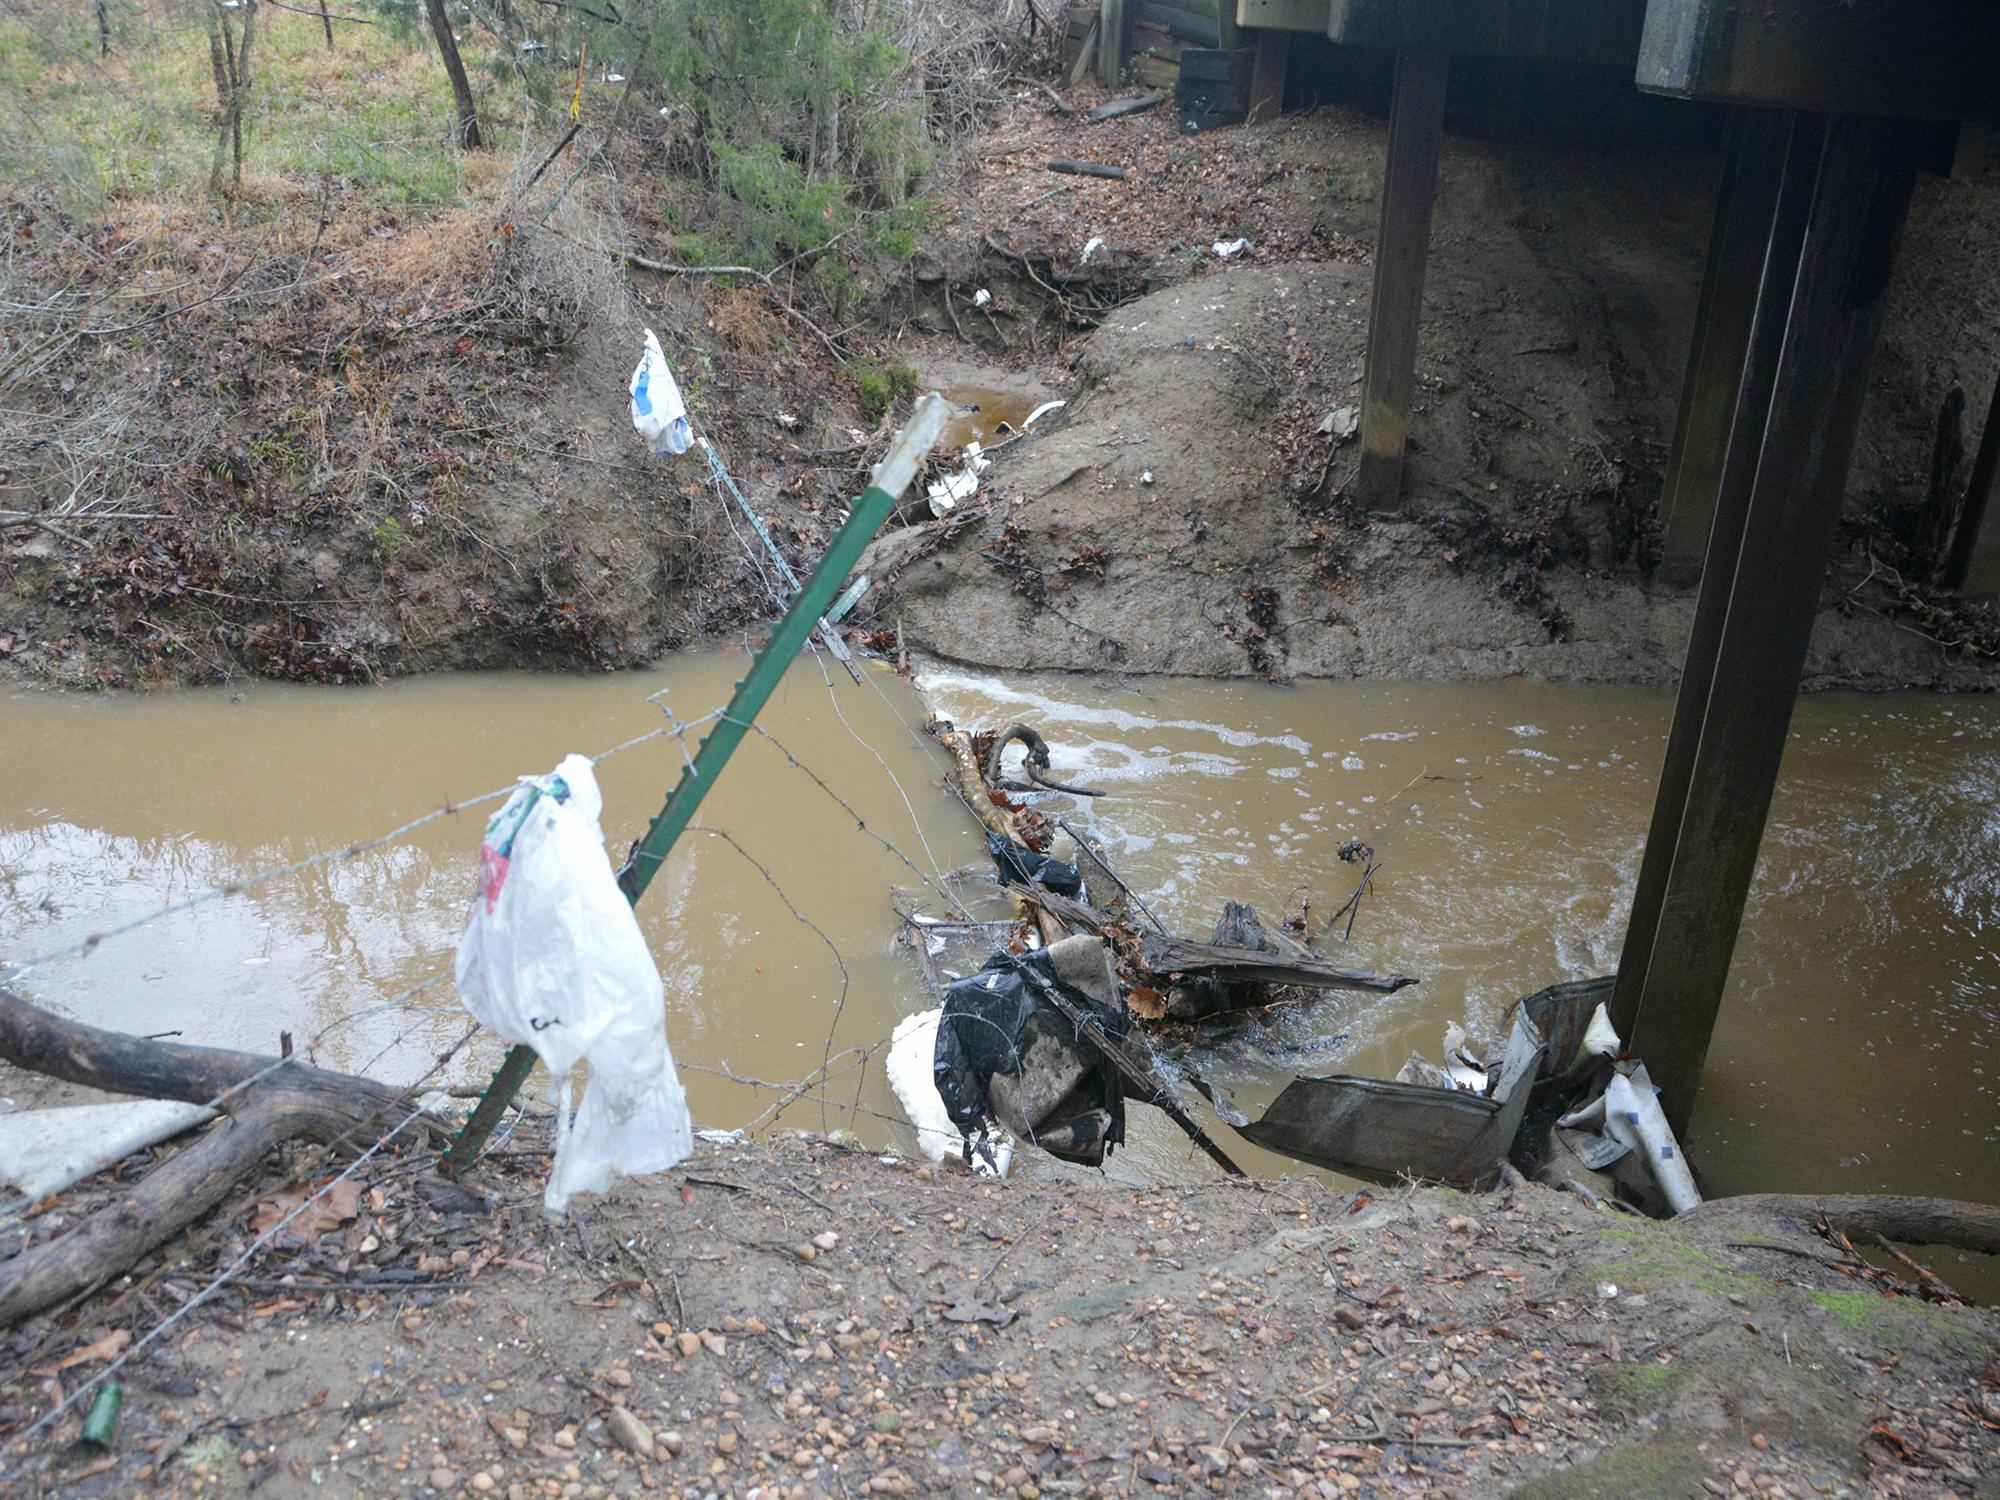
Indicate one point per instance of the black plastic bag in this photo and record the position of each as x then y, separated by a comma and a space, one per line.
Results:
1005, 1052
1017, 862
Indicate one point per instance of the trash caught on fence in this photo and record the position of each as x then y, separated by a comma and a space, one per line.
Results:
552, 957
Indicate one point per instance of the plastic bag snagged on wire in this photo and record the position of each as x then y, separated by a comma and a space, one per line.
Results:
658, 413
553, 957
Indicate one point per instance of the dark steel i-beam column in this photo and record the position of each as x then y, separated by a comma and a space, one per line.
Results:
1766, 598
1793, 169
1974, 564
1729, 291
1409, 184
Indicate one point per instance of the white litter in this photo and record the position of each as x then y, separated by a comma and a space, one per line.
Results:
43, 1151
981, 297
552, 957
724, 1137
1628, 1111
1147, 477
1042, 411
658, 413
954, 489
1341, 423
913, 1077
1227, 248
1096, 244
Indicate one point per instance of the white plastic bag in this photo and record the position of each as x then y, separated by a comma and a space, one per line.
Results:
658, 413
553, 957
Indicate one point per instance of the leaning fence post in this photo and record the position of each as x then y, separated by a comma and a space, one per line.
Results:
889, 480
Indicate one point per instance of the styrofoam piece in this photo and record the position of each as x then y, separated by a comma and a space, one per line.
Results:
43, 1151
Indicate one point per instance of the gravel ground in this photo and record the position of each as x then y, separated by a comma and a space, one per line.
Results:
798, 1316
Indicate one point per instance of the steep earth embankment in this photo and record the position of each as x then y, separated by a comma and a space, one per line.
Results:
1189, 511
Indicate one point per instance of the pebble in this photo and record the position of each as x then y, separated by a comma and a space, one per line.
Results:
1106, 1400
726, 1444
629, 1433
444, 1480
1350, 1317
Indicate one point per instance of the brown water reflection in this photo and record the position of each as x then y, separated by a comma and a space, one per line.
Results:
1857, 1048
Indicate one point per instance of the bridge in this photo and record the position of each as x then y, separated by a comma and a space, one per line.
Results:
1832, 107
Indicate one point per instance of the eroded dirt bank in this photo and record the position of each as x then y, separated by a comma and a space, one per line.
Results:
795, 1316
1189, 511
400, 444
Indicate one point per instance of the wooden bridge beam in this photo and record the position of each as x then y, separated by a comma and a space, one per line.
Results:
1409, 186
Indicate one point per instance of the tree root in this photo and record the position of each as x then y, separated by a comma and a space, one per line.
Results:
1911, 1220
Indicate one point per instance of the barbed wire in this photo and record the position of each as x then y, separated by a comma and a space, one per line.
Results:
229, 1272
20, 969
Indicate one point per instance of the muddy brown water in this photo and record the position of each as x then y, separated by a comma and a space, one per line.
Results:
1857, 1048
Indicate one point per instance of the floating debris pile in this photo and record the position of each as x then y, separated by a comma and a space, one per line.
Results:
1046, 1024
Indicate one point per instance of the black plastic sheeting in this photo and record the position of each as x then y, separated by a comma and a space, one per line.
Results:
1017, 862
1005, 1052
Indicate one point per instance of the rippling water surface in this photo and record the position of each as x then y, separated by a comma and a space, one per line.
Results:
1857, 1044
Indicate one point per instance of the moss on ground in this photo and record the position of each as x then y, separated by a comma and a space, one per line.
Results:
1664, 1467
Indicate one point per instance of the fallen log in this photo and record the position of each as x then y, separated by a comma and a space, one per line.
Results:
1117, 108
1086, 168
1913, 1220
288, 1103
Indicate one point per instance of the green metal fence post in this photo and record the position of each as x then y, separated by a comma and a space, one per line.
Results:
889, 480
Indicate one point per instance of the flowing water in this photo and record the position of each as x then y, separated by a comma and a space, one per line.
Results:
1856, 1050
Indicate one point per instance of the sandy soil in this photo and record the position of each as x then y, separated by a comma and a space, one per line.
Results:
1187, 513
797, 1316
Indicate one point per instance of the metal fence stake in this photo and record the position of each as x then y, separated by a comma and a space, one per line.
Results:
890, 479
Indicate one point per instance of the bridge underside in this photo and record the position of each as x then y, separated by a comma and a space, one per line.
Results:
1822, 148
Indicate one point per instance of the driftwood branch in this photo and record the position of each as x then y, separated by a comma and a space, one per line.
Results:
1170, 956
292, 1102
1117, 108
1086, 168
1896, 1216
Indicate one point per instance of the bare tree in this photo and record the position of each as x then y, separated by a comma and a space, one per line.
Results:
229, 59
466, 130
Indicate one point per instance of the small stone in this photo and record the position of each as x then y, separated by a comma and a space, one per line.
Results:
629, 1433
514, 1437
826, 1240
369, 1244
726, 1444
923, 1174
673, 1442
1758, 1442
1106, 1400
444, 1480
805, 1252
481, 1482
1350, 1317
1028, 1491
565, 1438
888, 1421
621, 1378
689, 1344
